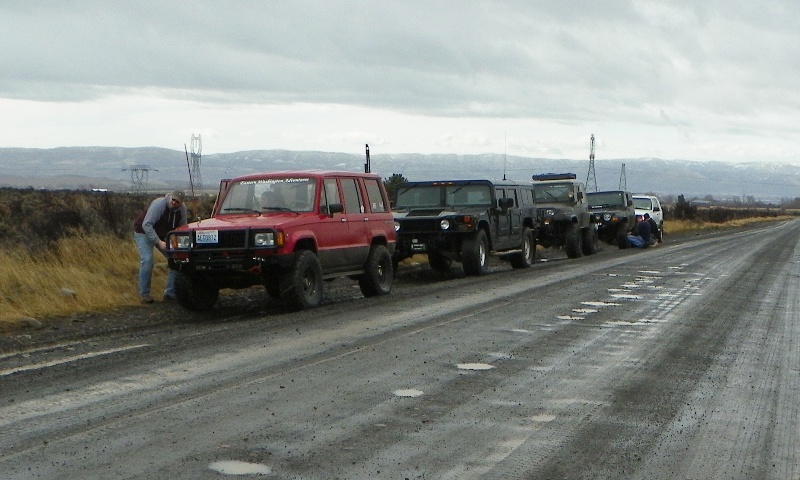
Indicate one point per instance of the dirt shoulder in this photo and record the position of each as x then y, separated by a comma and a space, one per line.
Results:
240, 303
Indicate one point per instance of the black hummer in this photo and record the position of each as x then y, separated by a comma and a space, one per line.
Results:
615, 216
464, 221
563, 214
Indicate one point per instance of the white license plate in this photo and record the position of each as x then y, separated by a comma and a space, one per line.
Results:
207, 236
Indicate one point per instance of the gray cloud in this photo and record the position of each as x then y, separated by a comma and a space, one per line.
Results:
645, 61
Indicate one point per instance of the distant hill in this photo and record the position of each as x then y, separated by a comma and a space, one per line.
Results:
110, 167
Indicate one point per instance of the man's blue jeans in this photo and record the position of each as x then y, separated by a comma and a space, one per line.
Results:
145, 247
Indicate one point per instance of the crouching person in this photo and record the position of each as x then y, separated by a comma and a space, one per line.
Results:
641, 235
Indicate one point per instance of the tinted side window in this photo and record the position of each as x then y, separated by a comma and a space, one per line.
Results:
376, 203
352, 197
499, 193
526, 197
331, 194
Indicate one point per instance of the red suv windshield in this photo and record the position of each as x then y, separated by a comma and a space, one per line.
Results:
295, 194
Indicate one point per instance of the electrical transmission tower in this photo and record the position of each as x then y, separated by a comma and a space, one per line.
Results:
197, 149
623, 181
591, 178
139, 175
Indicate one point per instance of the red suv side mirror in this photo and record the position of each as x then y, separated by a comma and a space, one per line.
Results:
333, 208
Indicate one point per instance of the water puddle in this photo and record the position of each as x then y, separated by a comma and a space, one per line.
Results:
543, 417
570, 317
630, 285
235, 467
637, 323
500, 356
600, 304
520, 330
584, 310
408, 392
650, 272
626, 296
474, 366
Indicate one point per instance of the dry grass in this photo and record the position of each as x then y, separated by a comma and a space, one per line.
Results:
101, 272
80, 274
683, 226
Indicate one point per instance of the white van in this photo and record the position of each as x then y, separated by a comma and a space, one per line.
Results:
650, 204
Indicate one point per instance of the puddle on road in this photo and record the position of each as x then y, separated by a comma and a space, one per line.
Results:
543, 417
520, 330
600, 304
627, 323
500, 356
570, 317
235, 467
630, 285
650, 272
625, 296
584, 310
474, 366
408, 392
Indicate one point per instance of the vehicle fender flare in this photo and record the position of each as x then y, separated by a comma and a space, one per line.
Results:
302, 239
484, 225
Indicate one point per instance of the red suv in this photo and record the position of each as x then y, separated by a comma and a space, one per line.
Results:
288, 231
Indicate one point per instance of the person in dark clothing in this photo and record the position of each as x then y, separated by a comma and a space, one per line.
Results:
640, 236
150, 229
654, 236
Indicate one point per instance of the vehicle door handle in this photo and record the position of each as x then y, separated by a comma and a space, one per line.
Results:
344, 220
366, 219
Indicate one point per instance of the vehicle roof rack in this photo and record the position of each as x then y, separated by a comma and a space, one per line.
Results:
554, 176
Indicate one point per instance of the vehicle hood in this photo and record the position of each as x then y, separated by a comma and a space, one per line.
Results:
236, 222
608, 208
555, 207
436, 212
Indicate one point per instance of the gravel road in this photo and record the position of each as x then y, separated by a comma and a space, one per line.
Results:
674, 362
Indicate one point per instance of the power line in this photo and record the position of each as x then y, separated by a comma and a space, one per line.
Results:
139, 176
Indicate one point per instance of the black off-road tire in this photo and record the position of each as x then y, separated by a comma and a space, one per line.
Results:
661, 233
395, 266
622, 236
195, 293
572, 241
439, 262
589, 240
378, 273
527, 257
273, 287
475, 253
301, 284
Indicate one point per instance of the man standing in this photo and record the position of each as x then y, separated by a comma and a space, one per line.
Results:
150, 229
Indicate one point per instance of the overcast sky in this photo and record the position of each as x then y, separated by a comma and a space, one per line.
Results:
674, 79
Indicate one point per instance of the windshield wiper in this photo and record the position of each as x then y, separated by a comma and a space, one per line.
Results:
239, 209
